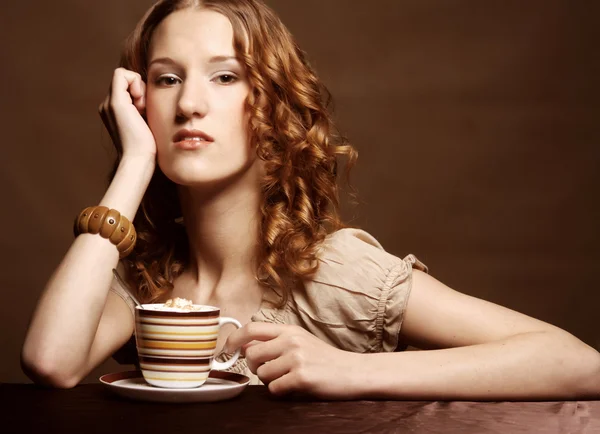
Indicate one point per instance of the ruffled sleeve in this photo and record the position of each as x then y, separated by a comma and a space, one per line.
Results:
117, 289
357, 298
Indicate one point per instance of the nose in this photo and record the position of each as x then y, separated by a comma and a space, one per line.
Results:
192, 100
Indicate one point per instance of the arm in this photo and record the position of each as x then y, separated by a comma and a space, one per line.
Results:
77, 323
491, 353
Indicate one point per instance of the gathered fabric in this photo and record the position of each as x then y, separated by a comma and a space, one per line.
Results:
356, 300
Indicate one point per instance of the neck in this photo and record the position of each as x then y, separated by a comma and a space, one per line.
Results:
223, 232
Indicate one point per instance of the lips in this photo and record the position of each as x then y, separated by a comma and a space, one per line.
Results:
191, 139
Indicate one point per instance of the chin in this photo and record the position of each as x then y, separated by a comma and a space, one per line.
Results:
209, 178
193, 179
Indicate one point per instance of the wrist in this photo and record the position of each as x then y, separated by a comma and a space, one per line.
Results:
375, 374
129, 184
362, 372
145, 163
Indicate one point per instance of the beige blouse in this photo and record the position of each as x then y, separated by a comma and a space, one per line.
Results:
355, 301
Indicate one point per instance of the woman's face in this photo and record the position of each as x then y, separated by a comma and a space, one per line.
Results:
195, 83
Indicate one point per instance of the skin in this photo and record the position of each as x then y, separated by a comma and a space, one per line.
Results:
189, 87
219, 184
478, 350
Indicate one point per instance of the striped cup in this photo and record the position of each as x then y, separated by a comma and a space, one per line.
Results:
176, 347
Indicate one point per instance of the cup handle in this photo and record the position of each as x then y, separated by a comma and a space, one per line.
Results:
221, 366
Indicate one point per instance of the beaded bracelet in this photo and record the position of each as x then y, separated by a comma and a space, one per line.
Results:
109, 224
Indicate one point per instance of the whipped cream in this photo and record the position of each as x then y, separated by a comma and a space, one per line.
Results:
181, 303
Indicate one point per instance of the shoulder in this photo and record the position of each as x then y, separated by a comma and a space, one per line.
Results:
350, 237
117, 288
355, 255
357, 297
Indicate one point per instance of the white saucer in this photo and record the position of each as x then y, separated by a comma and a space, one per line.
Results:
219, 386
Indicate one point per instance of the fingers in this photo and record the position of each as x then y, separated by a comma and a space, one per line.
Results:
285, 384
258, 331
248, 345
127, 87
273, 368
262, 352
137, 90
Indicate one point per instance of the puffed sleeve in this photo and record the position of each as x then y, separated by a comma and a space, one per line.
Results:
357, 298
118, 290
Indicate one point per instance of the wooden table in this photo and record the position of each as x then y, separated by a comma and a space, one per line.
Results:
90, 408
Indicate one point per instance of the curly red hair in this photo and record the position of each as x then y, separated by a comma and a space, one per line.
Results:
293, 133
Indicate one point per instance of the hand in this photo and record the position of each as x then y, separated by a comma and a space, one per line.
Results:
290, 359
122, 114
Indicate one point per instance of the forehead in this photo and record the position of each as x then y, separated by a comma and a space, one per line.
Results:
192, 31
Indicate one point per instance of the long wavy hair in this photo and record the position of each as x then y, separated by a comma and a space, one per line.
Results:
292, 131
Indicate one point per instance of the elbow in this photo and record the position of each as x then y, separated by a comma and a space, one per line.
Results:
585, 378
45, 371
591, 384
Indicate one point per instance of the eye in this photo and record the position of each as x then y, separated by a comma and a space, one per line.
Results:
226, 79
167, 80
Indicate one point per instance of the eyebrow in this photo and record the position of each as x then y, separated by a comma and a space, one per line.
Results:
214, 59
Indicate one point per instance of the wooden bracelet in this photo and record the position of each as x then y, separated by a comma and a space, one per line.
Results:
109, 224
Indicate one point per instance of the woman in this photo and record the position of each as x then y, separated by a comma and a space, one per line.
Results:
227, 160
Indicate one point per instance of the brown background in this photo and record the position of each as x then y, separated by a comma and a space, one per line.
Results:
476, 124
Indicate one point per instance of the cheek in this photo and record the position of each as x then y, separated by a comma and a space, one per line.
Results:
239, 114
234, 101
